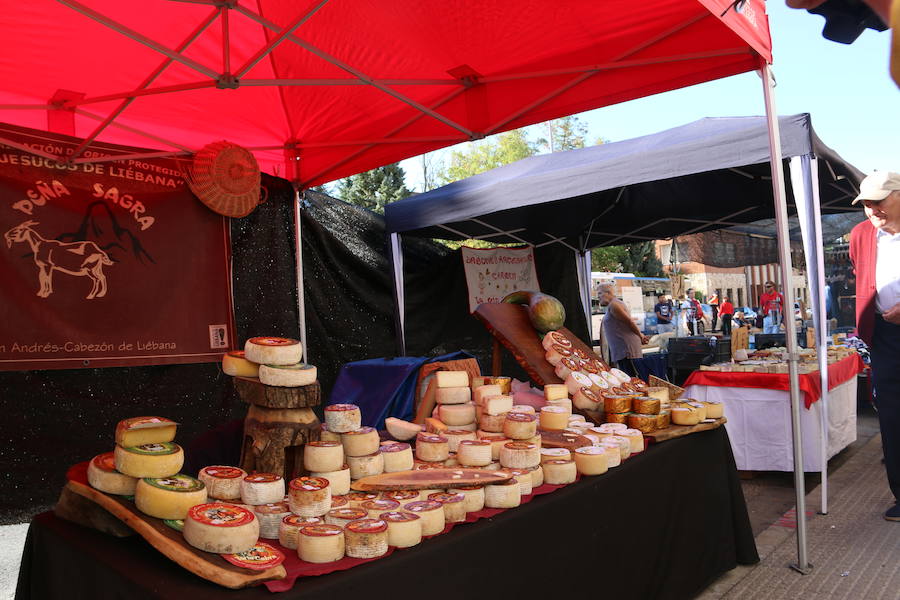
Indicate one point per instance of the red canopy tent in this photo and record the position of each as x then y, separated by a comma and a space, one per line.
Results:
322, 89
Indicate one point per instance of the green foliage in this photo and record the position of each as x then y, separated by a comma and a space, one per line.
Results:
487, 154
641, 260
608, 258
567, 133
376, 188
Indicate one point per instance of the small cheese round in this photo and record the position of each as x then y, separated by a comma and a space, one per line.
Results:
360, 442
457, 414
328, 436
555, 454
577, 380
168, 497
473, 496
270, 517
455, 436
453, 395
262, 488
492, 423
339, 480
221, 528
519, 455
343, 516
338, 501
643, 423
356, 499
432, 448
366, 466
523, 476
587, 399
296, 375
559, 472
222, 482
554, 418
685, 415
404, 528
613, 453
343, 418
273, 351
620, 418
504, 494
102, 475
566, 367
636, 438
715, 409
374, 508
320, 543
590, 460
431, 514
555, 353
520, 426
701, 408
236, 364
323, 456
149, 460
397, 457
646, 405
454, 506
290, 527
537, 477
474, 453
556, 337
623, 442
366, 538
309, 496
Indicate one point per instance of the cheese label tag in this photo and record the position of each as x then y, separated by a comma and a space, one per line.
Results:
146, 423
222, 515
262, 478
176, 483
260, 557
158, 449
223, 472
273, 341
297, 367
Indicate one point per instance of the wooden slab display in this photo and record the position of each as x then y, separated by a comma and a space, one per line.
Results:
428, 479
171, 543
274, 439
676, 431
674, 391
78, 509
509, 324
563, 439
252, 391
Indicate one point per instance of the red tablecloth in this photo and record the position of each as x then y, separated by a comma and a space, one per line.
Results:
840, 372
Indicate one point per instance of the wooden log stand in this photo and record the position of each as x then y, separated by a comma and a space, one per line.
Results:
279, 422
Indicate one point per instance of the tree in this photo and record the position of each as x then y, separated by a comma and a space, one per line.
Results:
641, 260
567, 133
376, 188
608, 258
487, 154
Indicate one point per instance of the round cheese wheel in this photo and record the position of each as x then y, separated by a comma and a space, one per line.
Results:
555, 454
269, 517
646, 405
236, 364
288, 375
290, 527
566, 366
613, 454
455, 436
620, 418
623, 442
273, 351
404, 528
518, 455
138, 431
320, 543
636, 438
343, 516
555, 353
356, 499
554, 418
310, 496
168, 497
701, 408
714, 409
523, 476
491, 423
102, 475
587, 399
397, 457
454, 506
520, 426
323, 456
374, 508
328, 436
505, 494
366, 466
401, 496
643, 423
555, 337
366, 538
559, 472
611, 428
220, 528
222, 482
564, 403
590, 460
473, 496
360, 442
496, 445
338, 501
339, 480
537, 477
262, 488
453, 395
431, 514
474, 453
432, 448
457, 414
149, 460
577, 380
685, 415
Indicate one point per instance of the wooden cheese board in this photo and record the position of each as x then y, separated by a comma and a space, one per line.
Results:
563, 439
168, 541
428, 479
676, 431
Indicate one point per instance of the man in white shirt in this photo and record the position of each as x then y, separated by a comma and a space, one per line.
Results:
875, 252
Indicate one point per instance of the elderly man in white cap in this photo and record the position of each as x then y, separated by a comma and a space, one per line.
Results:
875, 252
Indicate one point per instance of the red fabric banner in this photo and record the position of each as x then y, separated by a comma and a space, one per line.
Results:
838, 373
108, 264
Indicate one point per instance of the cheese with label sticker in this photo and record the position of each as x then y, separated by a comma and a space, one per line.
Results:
590, 460
339, 480
505, 494
430, 513
102, 475
520, 426
366, 538
432, 448
360, 442
290, 527
320, 543
273, 351
519, 455
168, 497
397, 457
554, 418
222, 482
474, 453
262, 488
366, 466
404, 528
559, 472
149, 460
473, 496
343, 418
323, 456
221, 528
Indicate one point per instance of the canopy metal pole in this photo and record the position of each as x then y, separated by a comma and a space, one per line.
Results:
784, 254
298, 252
584, 258
396, 249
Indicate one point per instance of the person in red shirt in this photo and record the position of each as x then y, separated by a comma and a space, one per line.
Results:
726, 310
772, 307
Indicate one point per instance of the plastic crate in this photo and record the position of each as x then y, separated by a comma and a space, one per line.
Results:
691, 352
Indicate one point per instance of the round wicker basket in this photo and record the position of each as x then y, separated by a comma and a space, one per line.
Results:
225, 177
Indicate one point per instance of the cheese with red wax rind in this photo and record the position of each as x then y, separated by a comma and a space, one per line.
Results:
273, 351
222, 482
220, 528
235, 363
295, 375
343, 418
320, 543
102, 475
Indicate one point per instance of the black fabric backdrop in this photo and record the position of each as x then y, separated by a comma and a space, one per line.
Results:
663, 525
55, 418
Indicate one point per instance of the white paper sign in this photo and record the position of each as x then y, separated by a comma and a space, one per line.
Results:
492, 273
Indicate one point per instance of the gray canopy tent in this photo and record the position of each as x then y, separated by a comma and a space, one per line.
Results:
710, 174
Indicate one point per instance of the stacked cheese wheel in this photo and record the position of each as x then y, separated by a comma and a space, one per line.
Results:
275, 361
453, 396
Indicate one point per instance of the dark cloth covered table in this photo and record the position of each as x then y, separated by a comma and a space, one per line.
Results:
664, 524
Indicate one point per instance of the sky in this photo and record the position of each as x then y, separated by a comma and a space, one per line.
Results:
855, 106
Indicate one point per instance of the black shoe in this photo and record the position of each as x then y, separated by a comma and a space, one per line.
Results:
893, 513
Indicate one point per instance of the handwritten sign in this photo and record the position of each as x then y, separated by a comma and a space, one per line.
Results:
493, 273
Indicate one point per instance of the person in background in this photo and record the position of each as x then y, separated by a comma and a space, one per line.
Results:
713, 302
693, 312
726, 310
622, 334
771, 305
664, 314
875, 254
